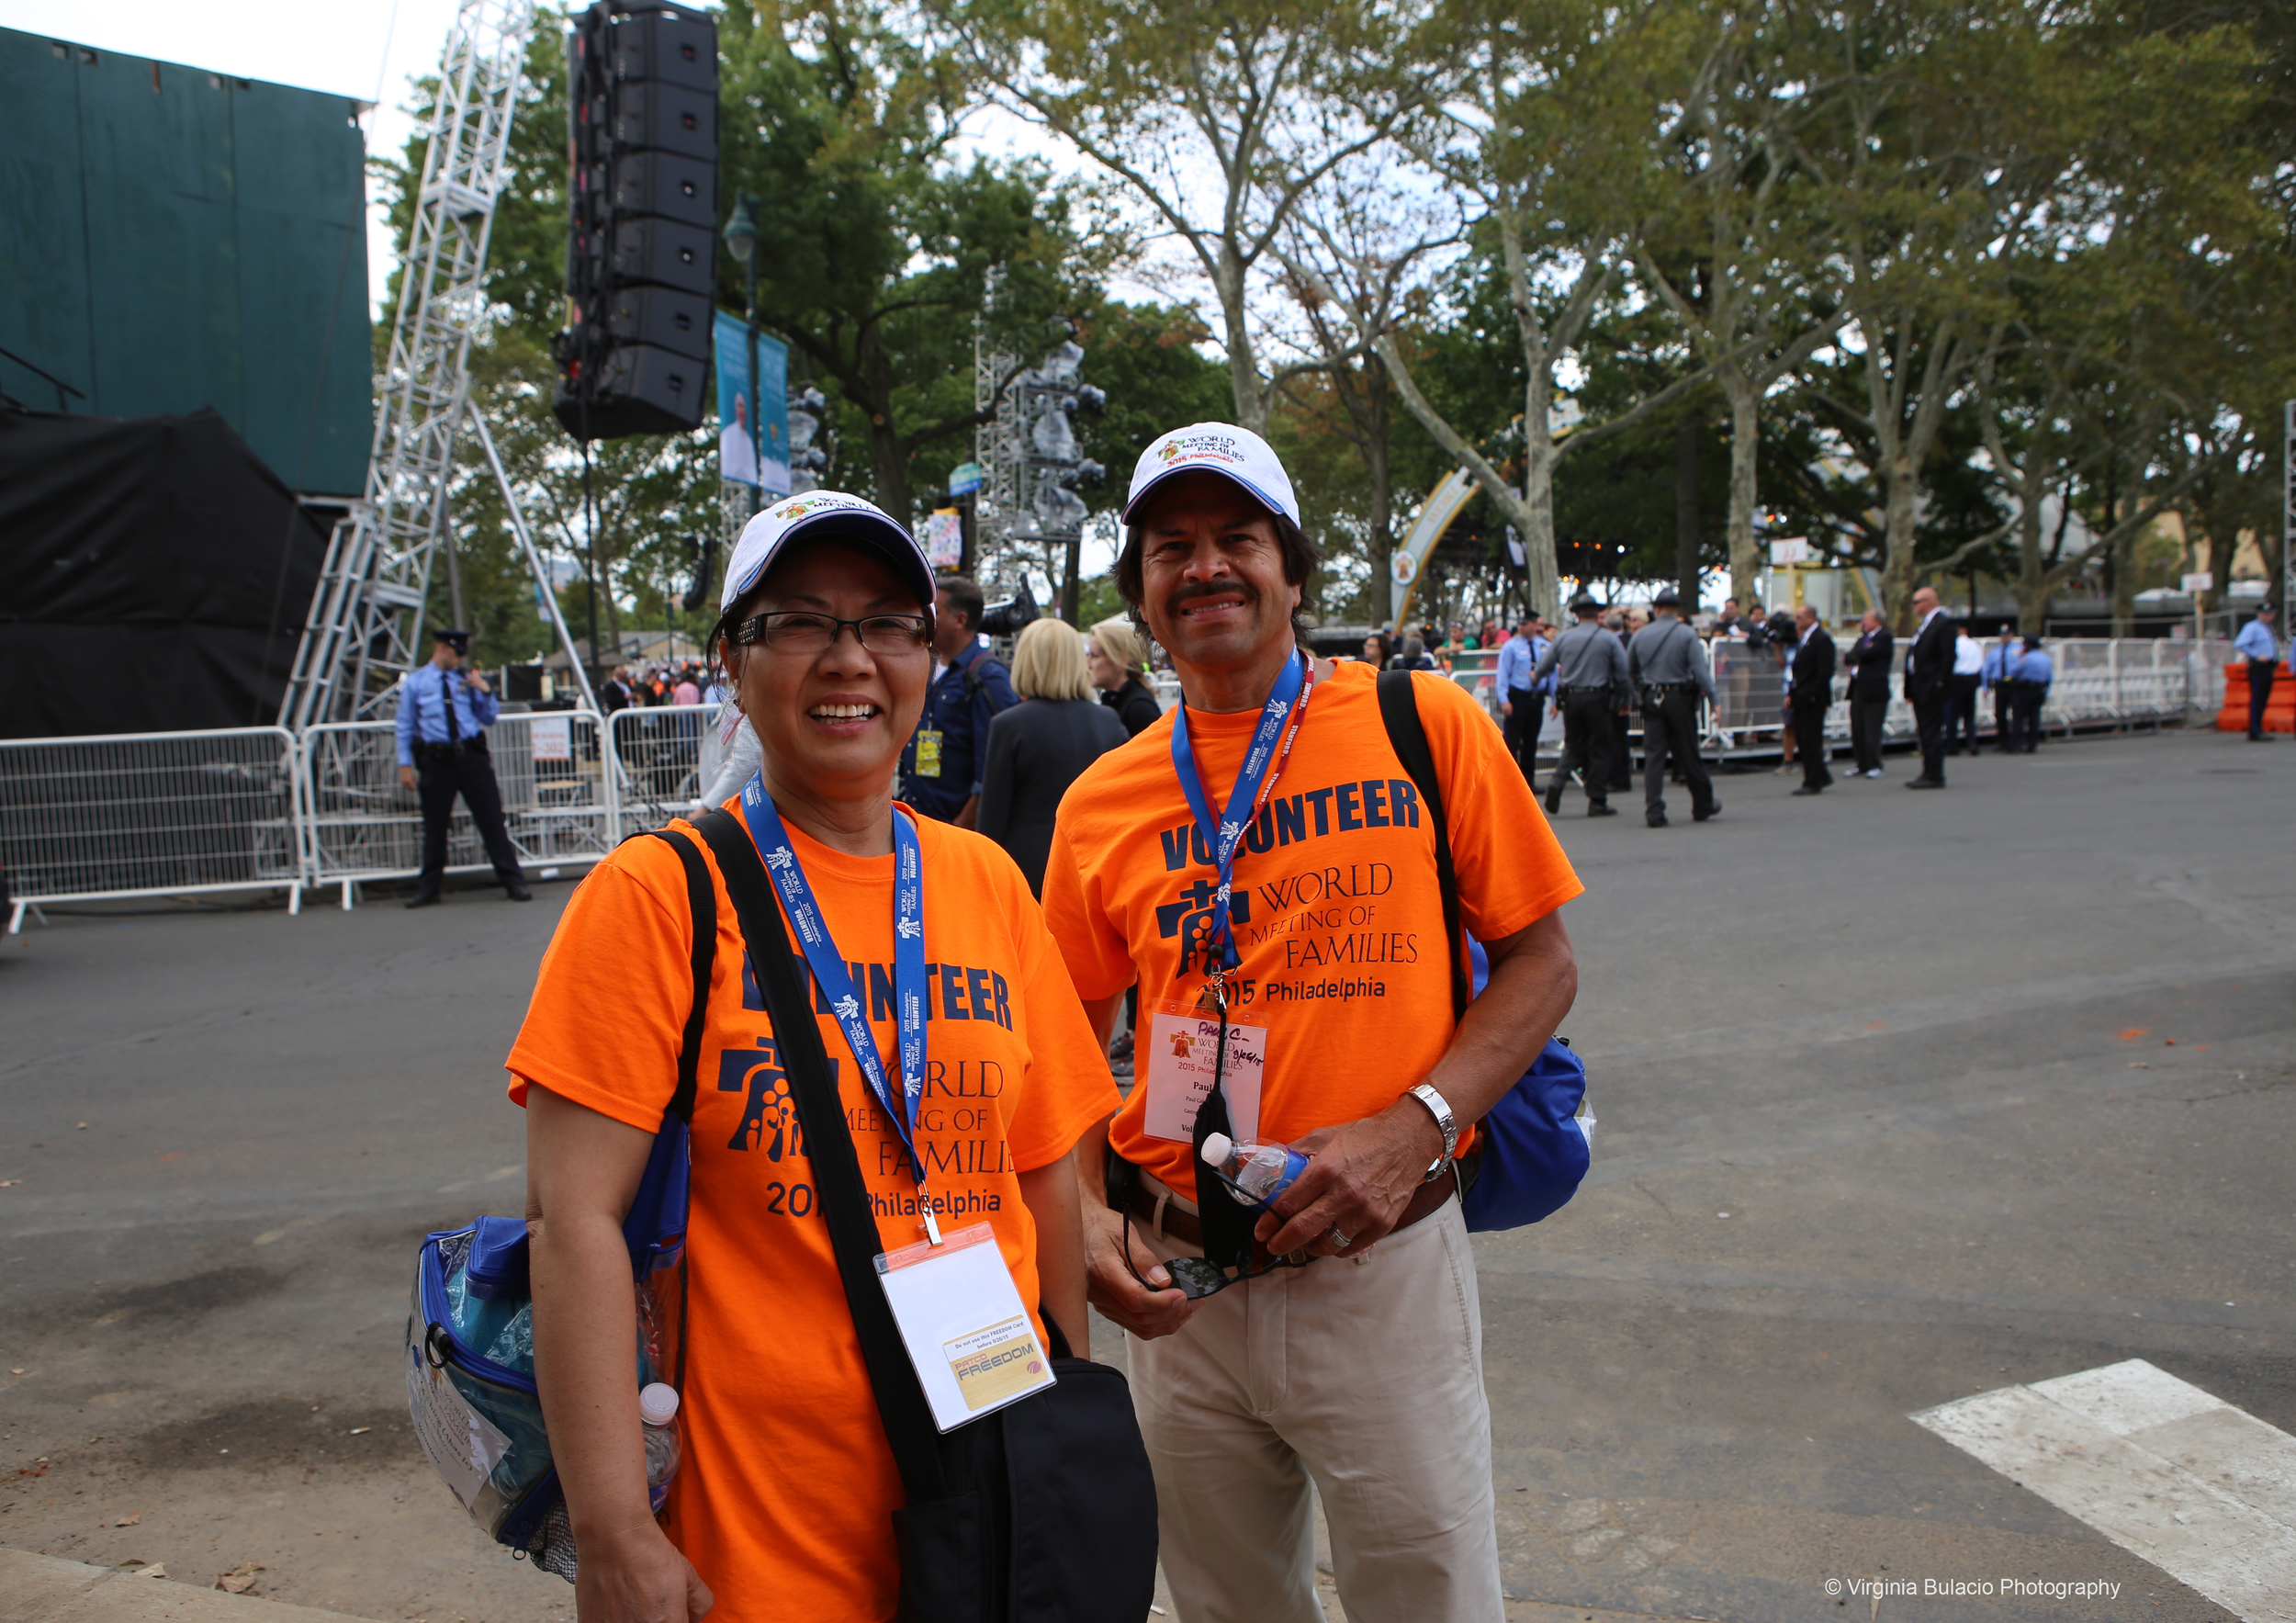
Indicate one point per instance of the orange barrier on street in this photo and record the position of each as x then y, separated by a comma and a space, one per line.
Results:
2279, 710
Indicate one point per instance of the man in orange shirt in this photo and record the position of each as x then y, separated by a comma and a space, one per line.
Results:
1262, 846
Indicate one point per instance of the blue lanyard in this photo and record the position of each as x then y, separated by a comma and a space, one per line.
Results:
837, 981
1223, 837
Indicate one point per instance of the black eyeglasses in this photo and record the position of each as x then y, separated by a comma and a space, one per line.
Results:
1199, 1277
793, 631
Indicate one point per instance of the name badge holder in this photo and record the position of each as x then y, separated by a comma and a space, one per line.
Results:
1185, 1052
927, 752
967, 1332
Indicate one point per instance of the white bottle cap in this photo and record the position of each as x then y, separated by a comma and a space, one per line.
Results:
1217, 1147
656, 1404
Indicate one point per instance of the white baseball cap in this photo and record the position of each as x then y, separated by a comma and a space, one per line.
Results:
821, 515
1215, 447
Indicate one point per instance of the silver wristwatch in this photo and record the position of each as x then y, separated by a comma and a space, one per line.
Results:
1440, 1109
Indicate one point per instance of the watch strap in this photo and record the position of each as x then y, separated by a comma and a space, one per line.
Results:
1440, 1109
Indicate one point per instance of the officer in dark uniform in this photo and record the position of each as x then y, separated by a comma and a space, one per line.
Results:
942, 768
444, 712
1589, 667
1667, 665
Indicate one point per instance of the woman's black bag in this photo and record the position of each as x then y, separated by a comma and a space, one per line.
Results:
1043, 1512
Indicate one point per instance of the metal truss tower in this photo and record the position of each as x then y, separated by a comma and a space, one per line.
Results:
365, 632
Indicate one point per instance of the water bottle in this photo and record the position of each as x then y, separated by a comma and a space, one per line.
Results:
657, 1410
1260, 1170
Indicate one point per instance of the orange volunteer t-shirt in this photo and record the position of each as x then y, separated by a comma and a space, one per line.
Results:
785, 1490
1335, 905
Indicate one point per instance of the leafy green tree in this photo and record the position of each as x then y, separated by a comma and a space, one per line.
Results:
1215, 118
876, 248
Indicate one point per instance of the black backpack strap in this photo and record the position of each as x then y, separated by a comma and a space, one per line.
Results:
701, 903
845, 1204
1399, 708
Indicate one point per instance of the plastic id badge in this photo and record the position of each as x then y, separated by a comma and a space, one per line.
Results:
1180, 1049
971, 1339
928, 752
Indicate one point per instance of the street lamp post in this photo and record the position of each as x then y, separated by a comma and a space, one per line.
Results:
741, 242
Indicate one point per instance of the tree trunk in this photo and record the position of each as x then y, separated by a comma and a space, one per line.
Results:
887, 460
1898, 570
1686, 526
1537, 522
1244, 376
2032, 573
1745, 441
1380, 411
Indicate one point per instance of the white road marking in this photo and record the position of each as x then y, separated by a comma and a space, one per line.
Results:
2203, 1491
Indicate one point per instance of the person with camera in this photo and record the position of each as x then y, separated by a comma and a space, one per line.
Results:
444, 712
941, 767
1667, 665
1336, 1334
963, 1065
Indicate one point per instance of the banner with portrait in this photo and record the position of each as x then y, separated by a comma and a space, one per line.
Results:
753, 454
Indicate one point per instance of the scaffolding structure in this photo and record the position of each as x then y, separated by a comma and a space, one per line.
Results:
364, 632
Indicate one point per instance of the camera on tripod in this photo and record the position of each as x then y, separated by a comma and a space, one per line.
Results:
1006, 618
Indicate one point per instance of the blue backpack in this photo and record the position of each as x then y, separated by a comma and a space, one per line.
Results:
1530, 1152
470, 1341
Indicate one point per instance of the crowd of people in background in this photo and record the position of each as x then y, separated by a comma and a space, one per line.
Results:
688, 682
999, 746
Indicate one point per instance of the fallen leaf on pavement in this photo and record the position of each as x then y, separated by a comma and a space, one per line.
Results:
129, 1521
16, 1371
9, 1183
361, 1430
239, 1580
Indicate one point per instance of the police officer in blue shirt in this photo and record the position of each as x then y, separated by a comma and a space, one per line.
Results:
2263, 650
940, 770
1999, 674
2029, 691
1522, 703
444, 712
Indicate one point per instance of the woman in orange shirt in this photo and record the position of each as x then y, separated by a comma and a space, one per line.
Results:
782, 1502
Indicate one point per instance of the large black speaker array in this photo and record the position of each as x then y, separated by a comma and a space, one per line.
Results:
641, 252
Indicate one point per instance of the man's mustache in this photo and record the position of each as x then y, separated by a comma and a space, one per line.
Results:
1186, 595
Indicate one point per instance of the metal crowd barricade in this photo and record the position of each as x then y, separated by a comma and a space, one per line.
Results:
656, 754
360, 824
117, 814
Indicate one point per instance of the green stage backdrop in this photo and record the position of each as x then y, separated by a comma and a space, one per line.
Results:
172, 239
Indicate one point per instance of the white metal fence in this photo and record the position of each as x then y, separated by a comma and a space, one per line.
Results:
168, 813
148, 813
359, 824
658, 752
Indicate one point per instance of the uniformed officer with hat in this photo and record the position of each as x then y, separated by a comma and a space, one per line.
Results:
1667, 664
1589, 667
444, 712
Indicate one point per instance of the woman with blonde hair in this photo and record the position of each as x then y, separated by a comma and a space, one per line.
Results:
1042, 744
1117, 655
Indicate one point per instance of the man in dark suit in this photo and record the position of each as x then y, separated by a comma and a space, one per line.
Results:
1929, 673
1868, 660
1813, 696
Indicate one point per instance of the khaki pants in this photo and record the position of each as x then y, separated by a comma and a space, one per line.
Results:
1366, 1375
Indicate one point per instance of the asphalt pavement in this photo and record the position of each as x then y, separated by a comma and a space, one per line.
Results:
1901, 1099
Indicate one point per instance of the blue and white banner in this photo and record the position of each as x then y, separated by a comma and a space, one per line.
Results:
753, 454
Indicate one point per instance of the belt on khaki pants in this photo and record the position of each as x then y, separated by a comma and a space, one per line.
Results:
1173, 1216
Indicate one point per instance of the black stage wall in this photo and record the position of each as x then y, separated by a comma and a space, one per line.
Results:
154, 575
